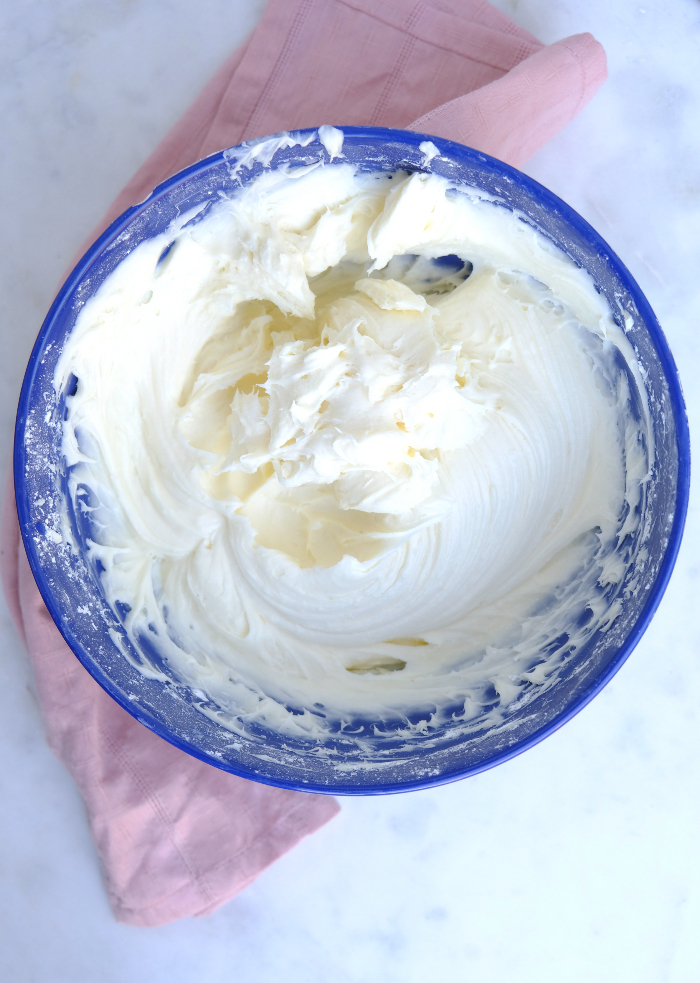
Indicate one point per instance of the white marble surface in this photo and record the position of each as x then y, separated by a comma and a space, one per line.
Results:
577, 861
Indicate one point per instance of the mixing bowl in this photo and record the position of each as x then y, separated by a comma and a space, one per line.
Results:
69, 580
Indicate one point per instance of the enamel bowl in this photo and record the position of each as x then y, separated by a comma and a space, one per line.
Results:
70, 583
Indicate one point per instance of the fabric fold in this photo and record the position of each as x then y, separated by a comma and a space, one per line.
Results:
516, 115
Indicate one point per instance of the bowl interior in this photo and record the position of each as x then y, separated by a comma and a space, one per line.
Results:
71, 587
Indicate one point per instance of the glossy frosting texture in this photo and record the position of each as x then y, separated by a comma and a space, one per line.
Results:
357, 444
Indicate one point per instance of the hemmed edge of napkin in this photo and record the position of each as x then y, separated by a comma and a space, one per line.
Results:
194, 899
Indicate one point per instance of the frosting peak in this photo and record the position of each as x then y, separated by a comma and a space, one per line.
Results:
347, 413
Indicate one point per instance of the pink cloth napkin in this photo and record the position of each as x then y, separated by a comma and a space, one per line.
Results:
175, 836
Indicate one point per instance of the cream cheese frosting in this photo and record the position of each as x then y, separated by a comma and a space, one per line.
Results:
358, 448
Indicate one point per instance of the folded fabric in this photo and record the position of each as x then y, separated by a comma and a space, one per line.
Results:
175, 836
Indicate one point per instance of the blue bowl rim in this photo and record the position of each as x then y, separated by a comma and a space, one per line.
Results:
551, 201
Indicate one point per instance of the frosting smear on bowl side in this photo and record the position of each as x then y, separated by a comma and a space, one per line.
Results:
358, 453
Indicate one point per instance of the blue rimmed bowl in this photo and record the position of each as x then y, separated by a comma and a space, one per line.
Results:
71, 587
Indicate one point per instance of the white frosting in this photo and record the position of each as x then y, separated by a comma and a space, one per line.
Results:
329, 473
